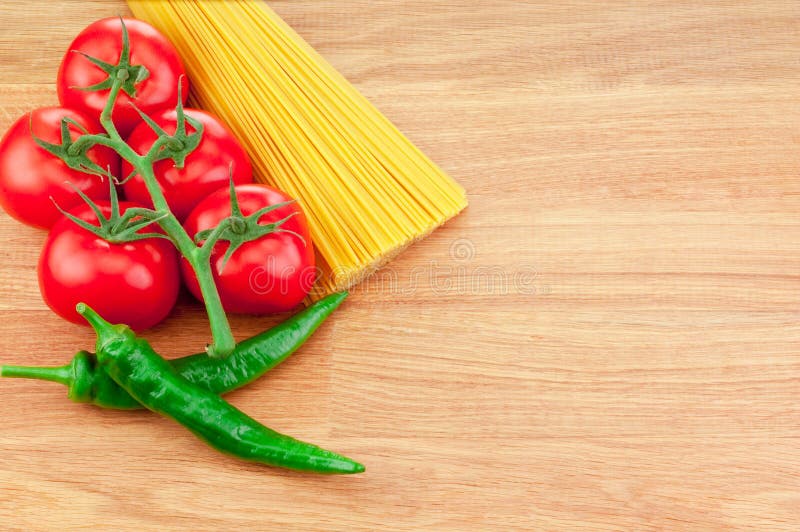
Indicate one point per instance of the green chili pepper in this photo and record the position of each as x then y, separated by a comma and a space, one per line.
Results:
251, 358
152, 381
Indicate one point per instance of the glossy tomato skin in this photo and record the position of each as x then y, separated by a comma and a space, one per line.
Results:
30, 175
206, 168
271, 274
135, 283
103, 39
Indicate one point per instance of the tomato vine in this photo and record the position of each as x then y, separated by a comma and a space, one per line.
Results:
236, 229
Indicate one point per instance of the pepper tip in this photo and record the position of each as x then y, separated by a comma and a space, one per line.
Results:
347, 466
336, 299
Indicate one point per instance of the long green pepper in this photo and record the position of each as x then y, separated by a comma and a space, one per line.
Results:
88, 383
153, 382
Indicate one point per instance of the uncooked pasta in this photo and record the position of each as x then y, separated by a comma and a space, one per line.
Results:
367, 190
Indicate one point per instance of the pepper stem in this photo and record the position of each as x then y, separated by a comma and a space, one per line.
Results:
105, 331
59, 374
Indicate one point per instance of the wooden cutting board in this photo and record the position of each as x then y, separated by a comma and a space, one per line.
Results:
607, 338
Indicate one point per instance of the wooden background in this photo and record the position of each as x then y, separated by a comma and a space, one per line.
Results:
607, 338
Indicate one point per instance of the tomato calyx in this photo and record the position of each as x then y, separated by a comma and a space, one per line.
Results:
238, 229
129, 74
73, 153
117, 228
178, 145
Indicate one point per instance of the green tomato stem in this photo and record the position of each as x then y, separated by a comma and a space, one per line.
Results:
152, 153
105, 115
224, 343
198, 257
208, 245
85, 141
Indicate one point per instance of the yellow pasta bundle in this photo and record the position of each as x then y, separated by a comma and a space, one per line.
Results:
367, 190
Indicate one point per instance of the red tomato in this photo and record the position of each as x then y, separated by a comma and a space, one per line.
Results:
206, 168
30, 175
103, 39
271, 274
133, 282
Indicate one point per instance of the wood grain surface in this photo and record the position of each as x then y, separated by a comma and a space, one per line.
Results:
607, 339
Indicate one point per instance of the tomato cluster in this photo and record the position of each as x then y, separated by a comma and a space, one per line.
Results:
137, 282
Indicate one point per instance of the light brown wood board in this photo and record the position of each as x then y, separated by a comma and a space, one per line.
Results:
607, 339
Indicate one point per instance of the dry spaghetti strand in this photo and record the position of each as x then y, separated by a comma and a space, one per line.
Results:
367, 190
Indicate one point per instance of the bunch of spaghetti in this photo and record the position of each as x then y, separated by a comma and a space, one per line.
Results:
367, 190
